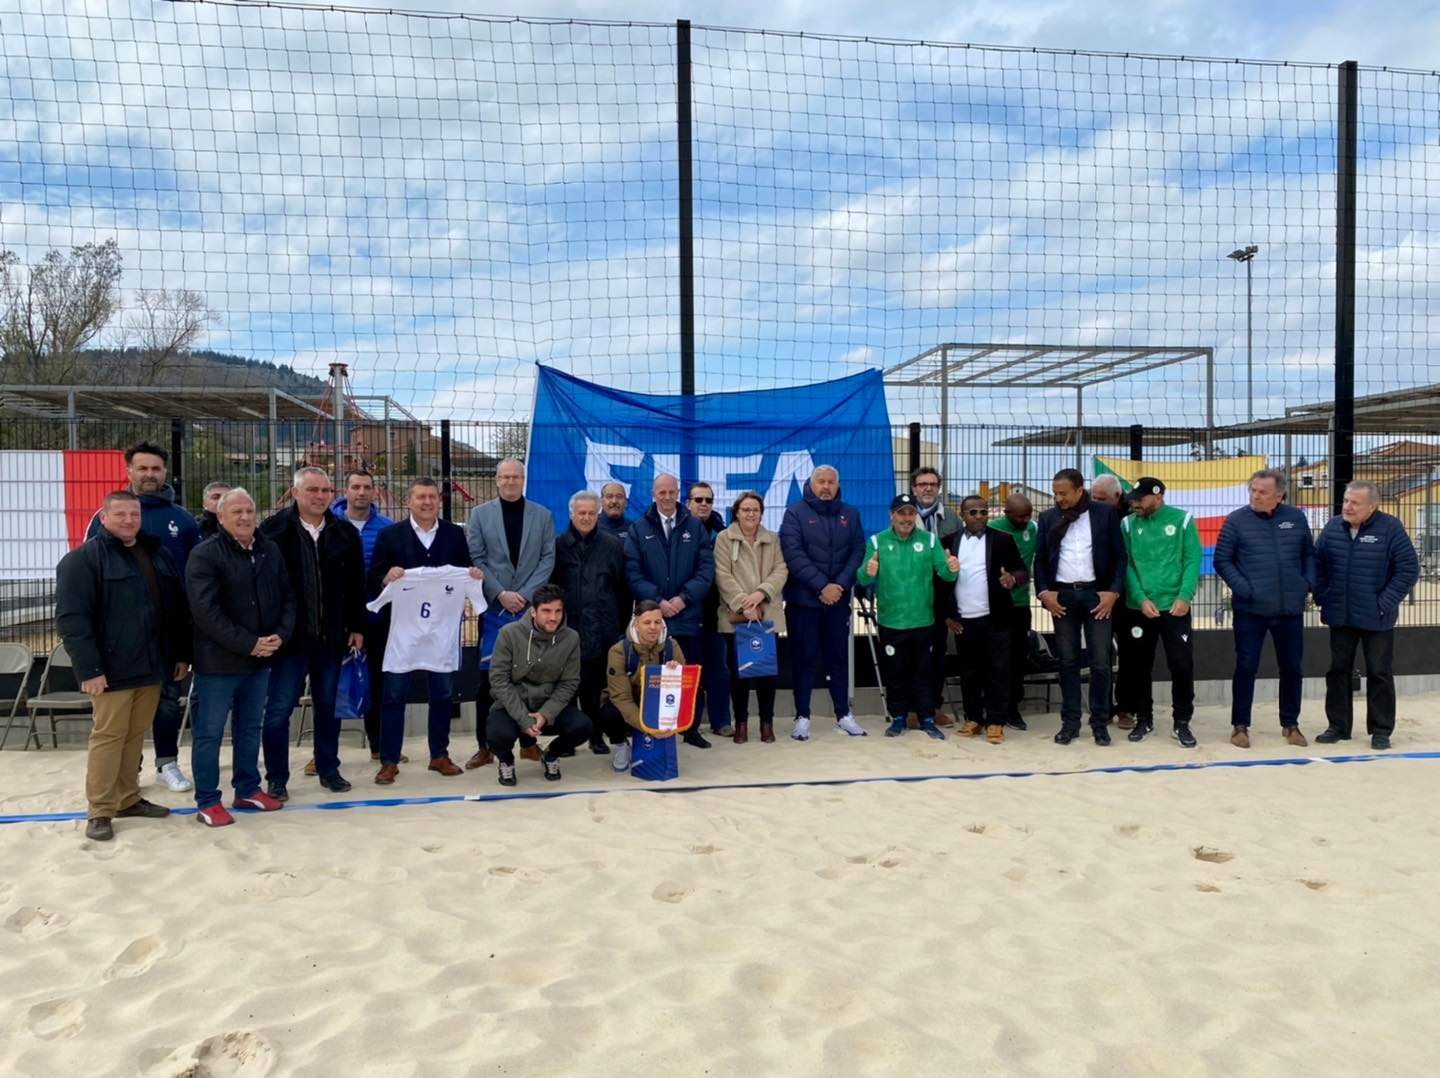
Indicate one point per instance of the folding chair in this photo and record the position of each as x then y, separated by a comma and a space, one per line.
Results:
304, 704
51, 702
15, 661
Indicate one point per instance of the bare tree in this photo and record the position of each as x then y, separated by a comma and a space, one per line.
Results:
163, 324
51, 310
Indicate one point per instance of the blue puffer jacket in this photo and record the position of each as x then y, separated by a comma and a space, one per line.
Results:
1361, 582
686, 567
375, 523
822, 543
1268, 561
176, 529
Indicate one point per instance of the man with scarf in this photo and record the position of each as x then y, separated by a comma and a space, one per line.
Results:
925, 487
1079, 576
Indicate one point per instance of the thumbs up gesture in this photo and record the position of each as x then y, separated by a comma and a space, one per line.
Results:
872, 567
952, 563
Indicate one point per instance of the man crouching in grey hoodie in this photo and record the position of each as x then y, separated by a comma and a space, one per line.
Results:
534, 676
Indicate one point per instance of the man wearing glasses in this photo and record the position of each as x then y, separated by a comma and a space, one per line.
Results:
715, 669
925, 487
980, 613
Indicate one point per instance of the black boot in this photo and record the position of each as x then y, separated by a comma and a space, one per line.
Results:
695, 738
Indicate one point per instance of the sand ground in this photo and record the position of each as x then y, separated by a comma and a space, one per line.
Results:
1227, 921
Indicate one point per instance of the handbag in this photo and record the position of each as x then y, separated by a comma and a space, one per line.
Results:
352, 690
757, 653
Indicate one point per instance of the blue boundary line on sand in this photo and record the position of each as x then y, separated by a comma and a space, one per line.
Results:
780, 784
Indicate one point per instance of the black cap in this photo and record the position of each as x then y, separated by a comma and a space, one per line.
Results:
900, 501
1147, 484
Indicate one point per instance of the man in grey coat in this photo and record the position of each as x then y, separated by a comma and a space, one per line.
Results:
513, 542
534, 676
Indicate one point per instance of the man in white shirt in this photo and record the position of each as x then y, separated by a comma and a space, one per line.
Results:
421, 541
1079, 575
979, 613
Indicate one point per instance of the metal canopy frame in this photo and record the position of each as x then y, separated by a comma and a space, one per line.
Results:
150, 402
1043, 366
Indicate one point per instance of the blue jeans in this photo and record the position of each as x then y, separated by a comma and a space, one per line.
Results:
715, 678
1288, 632
820, 633
287, 678
218, 696
441, 689
1078, 602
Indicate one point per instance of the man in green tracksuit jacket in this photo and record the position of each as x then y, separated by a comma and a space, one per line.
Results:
1019, 525
903, 563
1163, 545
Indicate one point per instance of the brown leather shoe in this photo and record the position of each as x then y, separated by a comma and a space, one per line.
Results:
1295, 737
995, 734
445, 766
1124, 720
767, 730
375, 758
1240, 737
310, 767
530, 753
742, 732
970, 729
942, 719
386, 775
480, 759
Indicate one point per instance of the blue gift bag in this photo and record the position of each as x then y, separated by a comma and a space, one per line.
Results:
756, 651
352, 693
654, 758
492, 621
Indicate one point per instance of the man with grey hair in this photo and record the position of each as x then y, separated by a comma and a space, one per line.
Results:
590, 569
209, 502
1266, 557
512, 541
1364, 566
325, 563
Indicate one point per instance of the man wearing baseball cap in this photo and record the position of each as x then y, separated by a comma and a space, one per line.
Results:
1163, 571
903, 562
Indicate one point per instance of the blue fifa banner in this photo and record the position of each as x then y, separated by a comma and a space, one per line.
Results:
767, 440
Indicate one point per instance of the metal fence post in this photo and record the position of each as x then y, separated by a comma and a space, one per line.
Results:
1342, 460
177, 459
445, 509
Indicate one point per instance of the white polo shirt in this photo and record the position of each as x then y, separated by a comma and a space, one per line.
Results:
1077, 553
972, 589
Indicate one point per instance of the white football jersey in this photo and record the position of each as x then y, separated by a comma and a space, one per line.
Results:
426, 608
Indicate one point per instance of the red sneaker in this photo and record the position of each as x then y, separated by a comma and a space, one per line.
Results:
214, 816
259, 801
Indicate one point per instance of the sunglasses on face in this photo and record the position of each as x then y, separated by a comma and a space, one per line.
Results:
977, 512
703, 501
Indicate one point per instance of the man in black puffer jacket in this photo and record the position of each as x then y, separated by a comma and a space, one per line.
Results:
1364, 566
590, 569
244, 612
120, 611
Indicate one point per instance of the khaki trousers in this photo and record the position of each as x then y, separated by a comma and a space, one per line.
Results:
112, 772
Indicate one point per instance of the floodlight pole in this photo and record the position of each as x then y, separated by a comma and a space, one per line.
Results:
1247, 256
944, 462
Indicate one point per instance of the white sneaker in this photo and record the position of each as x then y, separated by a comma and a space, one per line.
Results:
620, 759
802, 729
175, 779
850, 726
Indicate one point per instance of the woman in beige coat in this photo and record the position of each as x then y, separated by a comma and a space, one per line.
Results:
749, 573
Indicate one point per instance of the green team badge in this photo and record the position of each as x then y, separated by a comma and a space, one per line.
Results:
1170, 530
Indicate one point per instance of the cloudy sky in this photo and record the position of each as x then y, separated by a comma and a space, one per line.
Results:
444, 202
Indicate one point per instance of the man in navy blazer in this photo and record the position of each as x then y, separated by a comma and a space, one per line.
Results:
512, 541
421, 540
1079, 577
669, 558
1365, 565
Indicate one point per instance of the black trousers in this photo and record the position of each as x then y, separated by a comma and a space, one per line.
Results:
571, 729
592, 685
612, 724
375, 636
1125, 619
939, 665
1379, 648
1134, 690
905, 664
740, 689
984, 646
1019, 656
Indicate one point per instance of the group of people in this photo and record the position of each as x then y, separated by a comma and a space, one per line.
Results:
569, 623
